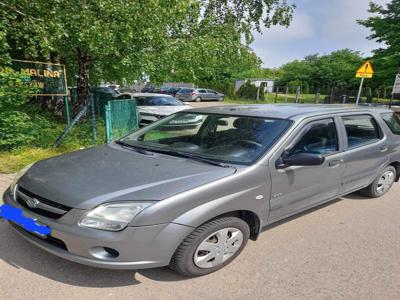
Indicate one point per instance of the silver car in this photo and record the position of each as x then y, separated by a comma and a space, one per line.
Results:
191, 198
199, 94
152, 107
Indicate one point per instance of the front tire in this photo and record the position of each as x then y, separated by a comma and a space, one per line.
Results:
382, 184
211, 246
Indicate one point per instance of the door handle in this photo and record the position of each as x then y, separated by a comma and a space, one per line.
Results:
335, 163
384, 148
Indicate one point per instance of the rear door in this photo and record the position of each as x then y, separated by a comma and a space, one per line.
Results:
202, 93
366, 150
212, 95
300, 187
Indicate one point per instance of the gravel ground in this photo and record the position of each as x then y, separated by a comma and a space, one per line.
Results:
348, 249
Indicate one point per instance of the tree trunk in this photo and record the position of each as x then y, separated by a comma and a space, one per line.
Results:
83, 80
53, 104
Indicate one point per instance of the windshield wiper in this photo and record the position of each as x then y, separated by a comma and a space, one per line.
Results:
134, 148
194, 157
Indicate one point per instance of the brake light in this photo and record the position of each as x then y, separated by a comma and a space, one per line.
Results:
193, 93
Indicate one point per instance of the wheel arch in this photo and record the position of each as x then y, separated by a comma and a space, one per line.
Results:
396, 165
251, 218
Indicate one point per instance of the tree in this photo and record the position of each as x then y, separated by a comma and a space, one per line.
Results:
336, 69
385, 27
116, 40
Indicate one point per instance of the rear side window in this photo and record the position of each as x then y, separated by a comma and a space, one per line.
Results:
361, 130
392, 121
185, 91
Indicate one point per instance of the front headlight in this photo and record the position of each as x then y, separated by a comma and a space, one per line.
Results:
19, 174
112, 216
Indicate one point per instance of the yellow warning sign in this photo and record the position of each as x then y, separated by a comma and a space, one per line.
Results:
365, 71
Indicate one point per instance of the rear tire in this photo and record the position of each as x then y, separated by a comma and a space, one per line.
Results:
221, 99
211, 246
198, 99
381, 184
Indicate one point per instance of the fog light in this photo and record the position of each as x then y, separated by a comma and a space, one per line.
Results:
104, 252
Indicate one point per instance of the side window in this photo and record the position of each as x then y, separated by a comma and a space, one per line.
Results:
320, 138
392, 121
124, 97
202, 91
361, 130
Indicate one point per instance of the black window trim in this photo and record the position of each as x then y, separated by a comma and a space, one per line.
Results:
305, 128
380, 130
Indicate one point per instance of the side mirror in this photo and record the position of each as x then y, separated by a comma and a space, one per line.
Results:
301, 159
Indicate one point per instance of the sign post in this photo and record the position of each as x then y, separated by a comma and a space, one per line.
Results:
365, 71
396, 89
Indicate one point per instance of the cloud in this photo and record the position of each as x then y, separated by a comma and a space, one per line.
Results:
318, 27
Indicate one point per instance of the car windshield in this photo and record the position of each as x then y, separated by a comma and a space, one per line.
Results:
158, 101
217, 137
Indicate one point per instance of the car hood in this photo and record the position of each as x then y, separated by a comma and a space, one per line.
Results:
162, 110
87, 178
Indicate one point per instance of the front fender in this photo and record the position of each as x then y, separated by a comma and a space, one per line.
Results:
246, 190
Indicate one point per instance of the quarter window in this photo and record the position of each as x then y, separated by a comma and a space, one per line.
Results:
321, 138
392, 121
361, 130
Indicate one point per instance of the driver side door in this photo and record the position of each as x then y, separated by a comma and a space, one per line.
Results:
297, 188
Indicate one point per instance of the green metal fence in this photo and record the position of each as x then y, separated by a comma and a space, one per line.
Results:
121, 117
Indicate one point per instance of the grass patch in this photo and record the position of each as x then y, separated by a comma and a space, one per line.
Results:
79, 137
12, 161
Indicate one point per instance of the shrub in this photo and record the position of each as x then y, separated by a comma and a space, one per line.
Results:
15, 125
248, 91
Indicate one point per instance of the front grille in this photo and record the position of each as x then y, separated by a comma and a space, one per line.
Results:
49, 239
40, 205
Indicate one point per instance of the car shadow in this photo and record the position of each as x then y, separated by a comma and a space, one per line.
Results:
20, 254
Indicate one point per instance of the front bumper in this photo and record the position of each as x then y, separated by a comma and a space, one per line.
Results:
137, 247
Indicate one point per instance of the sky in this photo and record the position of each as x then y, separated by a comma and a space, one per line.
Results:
318, 26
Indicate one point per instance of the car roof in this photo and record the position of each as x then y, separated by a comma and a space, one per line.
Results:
146, 95
285, 111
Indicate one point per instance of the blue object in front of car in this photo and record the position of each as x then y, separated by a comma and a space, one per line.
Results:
15, 215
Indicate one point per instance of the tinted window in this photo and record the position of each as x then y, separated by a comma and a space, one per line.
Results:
361, 130
236, 139
185, 91
124, 97
202, 91
157, 101
321, 138
392, 121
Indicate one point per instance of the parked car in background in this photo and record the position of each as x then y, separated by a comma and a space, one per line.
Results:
152, 107
111, 90
173, 90
191, 199
199, 94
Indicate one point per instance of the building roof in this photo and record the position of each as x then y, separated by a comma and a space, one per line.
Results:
256, 79
284, 111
